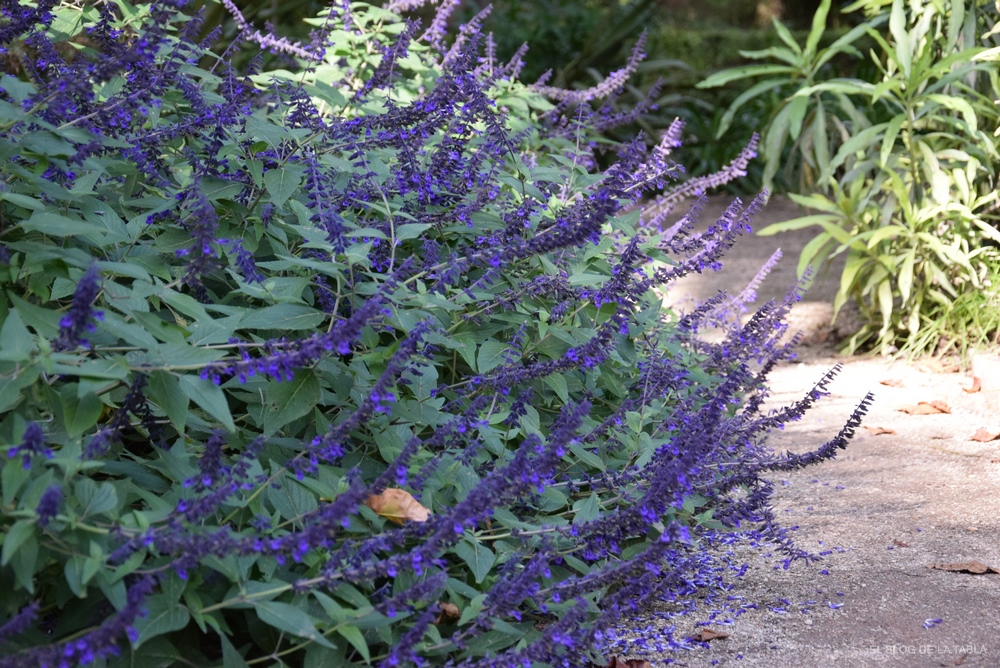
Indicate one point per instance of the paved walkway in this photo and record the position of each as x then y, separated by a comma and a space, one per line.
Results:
889, 507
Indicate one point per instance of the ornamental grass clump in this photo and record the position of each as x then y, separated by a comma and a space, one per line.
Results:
356, 360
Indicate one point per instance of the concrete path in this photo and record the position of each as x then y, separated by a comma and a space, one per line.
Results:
923, 493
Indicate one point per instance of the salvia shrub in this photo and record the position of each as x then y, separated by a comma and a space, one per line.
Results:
353, 362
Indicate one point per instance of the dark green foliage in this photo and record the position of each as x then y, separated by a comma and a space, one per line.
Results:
241, 312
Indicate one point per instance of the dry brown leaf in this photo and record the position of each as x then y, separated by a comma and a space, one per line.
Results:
937, 366
397, 505
974, 567
976, 386
877, 431
899, 543
891, 382
447, 611
705, 635
925, 408
615, 662
984, 436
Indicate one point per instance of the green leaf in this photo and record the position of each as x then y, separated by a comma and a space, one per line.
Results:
818, 247
162, 616
56, 225
478, 557
906, 275
283, 316
745, 72
12, 382
18, 533
897, 28
210, 397
960, 105
354, 636
290, 400
423, 384
292, 500
759, 88
558, 385
885, 302
798, 112
94, 499
290, 619
587, 510
818, 27
231, 658
786, 36
411, 230
165, 391
283, 181
491, 355
13, 477
861, 142
889, 139
16, 342
80, 414
589, 458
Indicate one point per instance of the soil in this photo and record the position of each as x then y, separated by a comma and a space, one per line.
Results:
889, 507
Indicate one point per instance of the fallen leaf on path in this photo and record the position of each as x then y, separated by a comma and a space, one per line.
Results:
937, 366
877, 431
984, 436
925, 408
397, 505
976, 386
995, 461
899, 543
974, 567
708, 634
615, 662
891, 382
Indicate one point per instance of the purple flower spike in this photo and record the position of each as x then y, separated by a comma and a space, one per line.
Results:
48, 505
20, 622
81, 316
32, 443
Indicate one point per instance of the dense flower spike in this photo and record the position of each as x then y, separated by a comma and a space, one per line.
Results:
382, 377
81, 316
32, 445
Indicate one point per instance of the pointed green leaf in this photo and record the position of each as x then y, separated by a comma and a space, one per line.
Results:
165, 391
16, 342
354, 636
818, 27
290, 400
491, 355
18, 533
56, 225
292, 500
210, 397
897, 28
290, 619
95, 499
162, 616
283, 181
231, 658
283, 316
80, 414
478, 558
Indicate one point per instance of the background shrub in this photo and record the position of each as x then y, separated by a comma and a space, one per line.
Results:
353, 362
903, 166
